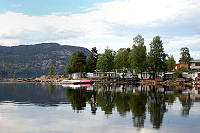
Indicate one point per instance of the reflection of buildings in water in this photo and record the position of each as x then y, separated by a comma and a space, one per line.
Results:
160, 88
123, 88
71, 86
90, 88
93, 103
116, 88
195, 94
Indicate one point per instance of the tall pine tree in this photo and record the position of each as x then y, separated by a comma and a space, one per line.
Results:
77, 63
52, 70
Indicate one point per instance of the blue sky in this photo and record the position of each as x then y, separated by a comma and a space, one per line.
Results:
46, 7
102, 23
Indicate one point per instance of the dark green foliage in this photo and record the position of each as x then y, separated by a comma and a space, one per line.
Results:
93, 58
91, 61
171, 63
185, 56
156, 108
77, 62
178, 74
78, 97
88, 67
34, 60
51, 89
105, 62
52, 70
80, 61
138, 57
105, 100
157, 57
15, 75
121, 59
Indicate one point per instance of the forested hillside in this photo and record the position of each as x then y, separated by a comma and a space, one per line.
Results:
34, 60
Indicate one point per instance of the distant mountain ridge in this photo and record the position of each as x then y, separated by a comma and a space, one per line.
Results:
35, 59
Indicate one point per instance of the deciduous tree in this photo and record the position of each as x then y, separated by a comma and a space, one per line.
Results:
121, 59
105, 62
138, 57
185, 56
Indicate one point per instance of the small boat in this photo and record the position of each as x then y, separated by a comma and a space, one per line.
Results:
86, 82
66, 81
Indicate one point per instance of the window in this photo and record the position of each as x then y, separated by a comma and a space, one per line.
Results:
197, 64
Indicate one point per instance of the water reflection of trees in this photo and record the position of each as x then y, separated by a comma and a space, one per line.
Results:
78, 98
186, 104
51, 89
139, 102
156, 107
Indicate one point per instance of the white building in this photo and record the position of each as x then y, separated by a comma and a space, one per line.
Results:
78, 75
144, 75
195, 64
194, 75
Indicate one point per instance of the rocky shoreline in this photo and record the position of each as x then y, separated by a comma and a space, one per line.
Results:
54, 79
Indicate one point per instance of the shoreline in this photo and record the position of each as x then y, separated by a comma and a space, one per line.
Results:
58, 80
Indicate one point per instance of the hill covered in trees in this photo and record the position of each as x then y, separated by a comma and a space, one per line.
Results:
35, 60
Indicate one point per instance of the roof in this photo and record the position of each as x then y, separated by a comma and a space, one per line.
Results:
194, 61
169, 73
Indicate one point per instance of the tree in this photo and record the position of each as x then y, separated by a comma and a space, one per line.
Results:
177, 74
15, 75
88, 66
185, 56
94, 57
156, 57
52, 70
121, 59
138, 57
171, 63
80, 60
91, 61
105, 62
77, 62
69, 68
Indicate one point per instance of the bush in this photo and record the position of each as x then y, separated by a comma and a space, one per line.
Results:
178, 74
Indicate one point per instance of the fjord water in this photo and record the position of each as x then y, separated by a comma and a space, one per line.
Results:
35, 107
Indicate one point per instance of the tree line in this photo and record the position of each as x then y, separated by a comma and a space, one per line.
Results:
137, 58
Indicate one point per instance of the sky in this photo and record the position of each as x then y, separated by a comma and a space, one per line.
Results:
102, 23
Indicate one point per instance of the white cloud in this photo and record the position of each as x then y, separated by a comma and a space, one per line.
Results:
60, 13
173, 48
16, 5
112, 23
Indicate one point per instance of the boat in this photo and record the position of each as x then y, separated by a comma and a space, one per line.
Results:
86, 82
66, 81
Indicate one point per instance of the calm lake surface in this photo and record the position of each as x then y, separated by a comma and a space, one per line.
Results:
33, 107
